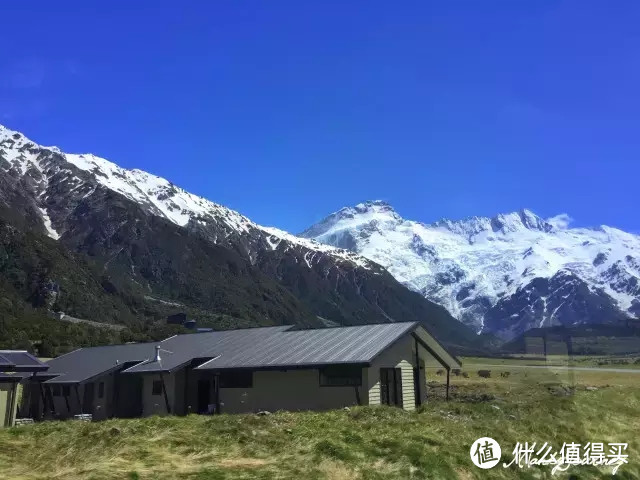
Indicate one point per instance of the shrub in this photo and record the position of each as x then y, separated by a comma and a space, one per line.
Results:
465, 374
440, 372
456, 372
484, 373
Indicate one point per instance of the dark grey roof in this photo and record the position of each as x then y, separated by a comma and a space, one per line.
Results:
20, 361
4, 378
86, 363
181, 349
266, 347
296, 348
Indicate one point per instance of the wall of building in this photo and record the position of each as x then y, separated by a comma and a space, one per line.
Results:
8, 403
156, 404
401, 355
288, 390
103, 407
66, 406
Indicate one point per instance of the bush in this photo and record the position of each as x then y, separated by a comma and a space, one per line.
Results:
465, 374
456, 372
440, 372
484, 373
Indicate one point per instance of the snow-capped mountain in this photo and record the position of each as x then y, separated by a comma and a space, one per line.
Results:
501, 275
152, 239
156, 194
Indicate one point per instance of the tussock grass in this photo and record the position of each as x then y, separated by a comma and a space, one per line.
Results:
363, 443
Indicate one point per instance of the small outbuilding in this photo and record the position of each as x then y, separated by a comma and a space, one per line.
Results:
14, 364
247, 370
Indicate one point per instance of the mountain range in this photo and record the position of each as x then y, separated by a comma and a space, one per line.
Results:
83, 236
501, 275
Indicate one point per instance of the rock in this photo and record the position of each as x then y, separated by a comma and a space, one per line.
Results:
262, 413
591, 389
346, 409
561, 390
495, 406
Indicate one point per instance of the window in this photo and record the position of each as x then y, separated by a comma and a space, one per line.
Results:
157, 387
66, 390
341, 376
236, 379
101, 390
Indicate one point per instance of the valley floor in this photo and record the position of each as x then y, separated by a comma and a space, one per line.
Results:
362, 443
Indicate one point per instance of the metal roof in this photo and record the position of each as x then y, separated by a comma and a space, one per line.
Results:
256, 348
20, 361
86, 363
298, 348
179, 350
4, 378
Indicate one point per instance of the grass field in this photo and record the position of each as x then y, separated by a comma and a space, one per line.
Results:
559, 360
363, 443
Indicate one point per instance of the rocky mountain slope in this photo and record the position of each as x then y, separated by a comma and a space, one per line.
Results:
500, 275
149, 241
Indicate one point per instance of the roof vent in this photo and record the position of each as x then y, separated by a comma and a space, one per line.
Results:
158, 350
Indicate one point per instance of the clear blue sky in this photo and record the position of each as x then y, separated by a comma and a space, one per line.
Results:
289, 110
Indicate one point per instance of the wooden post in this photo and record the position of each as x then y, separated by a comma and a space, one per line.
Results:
114, 395
44, 399
53, 402
80, 406
164, 392
418, 379
186, 389
448, 375
216, 392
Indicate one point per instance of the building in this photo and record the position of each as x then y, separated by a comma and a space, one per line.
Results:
248, 370
14, 364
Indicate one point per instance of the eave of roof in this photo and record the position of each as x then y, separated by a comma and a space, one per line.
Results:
20, 361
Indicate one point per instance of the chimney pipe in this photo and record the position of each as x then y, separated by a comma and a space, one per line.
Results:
157, 359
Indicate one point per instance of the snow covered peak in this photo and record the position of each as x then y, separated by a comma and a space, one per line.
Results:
371, 213
159, 196
503, 223
474, 265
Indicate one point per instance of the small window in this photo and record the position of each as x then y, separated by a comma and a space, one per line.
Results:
341, 376
66, 390
101, 390
55, 390
236, 379
157, 387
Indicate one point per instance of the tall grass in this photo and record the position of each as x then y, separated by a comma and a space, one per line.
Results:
362, 443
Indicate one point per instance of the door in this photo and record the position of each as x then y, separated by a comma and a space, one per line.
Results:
416, 385
87, 400
204, 390
391, 386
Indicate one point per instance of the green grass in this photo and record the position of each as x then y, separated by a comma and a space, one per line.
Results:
603, 361
363, 443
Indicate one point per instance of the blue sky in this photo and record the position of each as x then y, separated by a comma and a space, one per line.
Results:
289, 110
